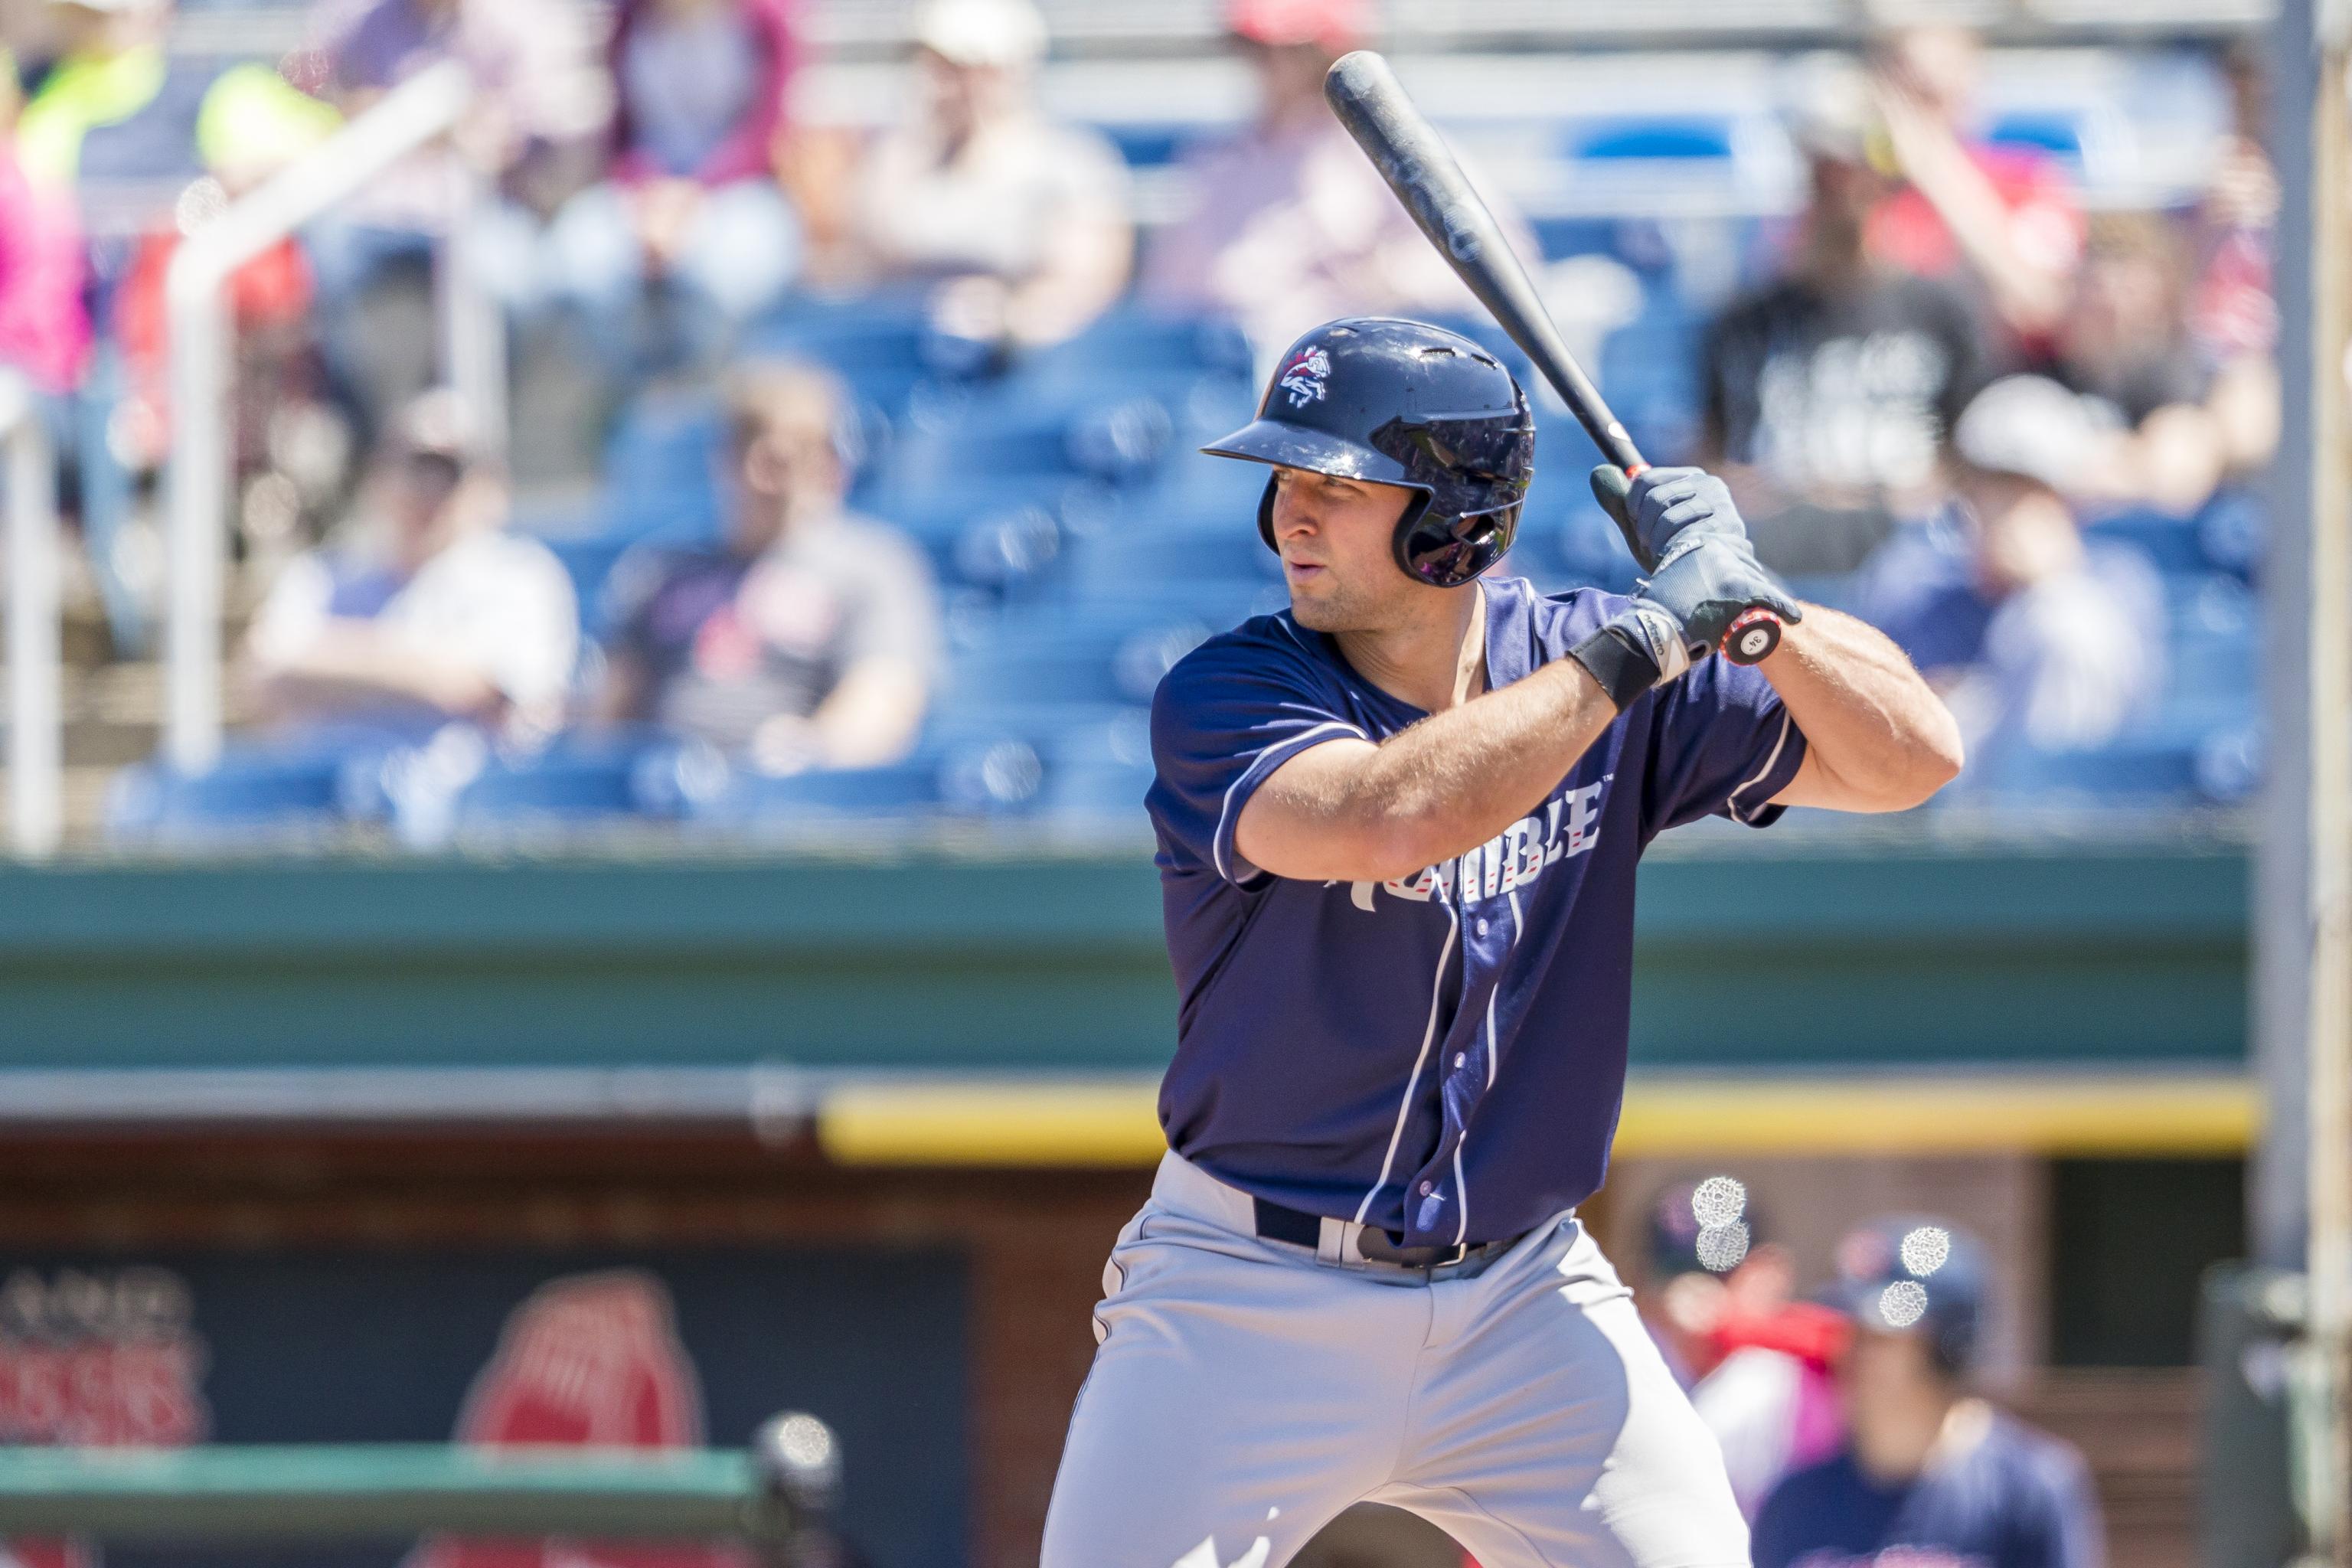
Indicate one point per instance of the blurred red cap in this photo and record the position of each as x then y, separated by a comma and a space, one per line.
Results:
1337, 25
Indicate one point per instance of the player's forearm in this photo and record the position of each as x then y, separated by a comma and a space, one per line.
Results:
1458, 778
1877, 739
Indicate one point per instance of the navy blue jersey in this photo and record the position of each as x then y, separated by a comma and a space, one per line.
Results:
2017, 1499
1444, 1054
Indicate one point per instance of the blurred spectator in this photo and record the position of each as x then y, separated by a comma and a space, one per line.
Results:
1722, 1305
43, 330
1930, 1474
2031, 635
809, 638
2232, 313
1828, 394
110, 66
542, 99
691, 204
433, 613
2005, 218
1019, 224
252, 124
2126, 348
1288, 224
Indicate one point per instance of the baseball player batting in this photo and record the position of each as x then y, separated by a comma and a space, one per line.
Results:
1398, 826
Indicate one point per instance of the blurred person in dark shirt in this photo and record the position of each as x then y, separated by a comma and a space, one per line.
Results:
1931, 1477
809, 638
427, 610
1017, 222
1721, 1302
2126, 348
1286, 224
2032, 636
691, 204
2004, 220
1828, 394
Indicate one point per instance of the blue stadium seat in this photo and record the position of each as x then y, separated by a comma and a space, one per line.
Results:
2055, 132
581, 780
661, 471
1066, 662
1096, 774
2170, 543
1137, 553
2138, 772
999, 777
1678, 136
1134, 343
1102, 433
295, 788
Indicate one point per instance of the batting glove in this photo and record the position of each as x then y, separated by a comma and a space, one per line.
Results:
1660, 508
1679, 616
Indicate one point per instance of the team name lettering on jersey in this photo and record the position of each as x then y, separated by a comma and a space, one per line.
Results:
1570, 823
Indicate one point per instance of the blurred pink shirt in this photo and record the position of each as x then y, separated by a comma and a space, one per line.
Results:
43, 330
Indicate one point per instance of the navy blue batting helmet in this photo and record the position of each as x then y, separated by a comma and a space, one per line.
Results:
1402, 403
1916, 1275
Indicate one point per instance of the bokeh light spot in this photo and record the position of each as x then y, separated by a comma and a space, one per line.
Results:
1719, 1201
1903, 1303
1924, 1250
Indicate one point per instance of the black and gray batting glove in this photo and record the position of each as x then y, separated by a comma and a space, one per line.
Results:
1661, 508
1680, 615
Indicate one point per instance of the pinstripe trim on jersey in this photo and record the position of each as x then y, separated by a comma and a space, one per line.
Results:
1770, 761
1428, 1037
1281, 752
1460, 1182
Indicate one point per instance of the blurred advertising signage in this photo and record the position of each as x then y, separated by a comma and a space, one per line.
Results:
654, 1351
103, 1358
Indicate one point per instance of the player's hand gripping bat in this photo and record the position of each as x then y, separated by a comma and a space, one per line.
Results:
1414, 159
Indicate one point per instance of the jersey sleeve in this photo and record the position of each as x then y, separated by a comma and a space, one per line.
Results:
1227, 716
1721, 744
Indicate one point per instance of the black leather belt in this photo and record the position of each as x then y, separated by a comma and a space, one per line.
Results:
1275, 1223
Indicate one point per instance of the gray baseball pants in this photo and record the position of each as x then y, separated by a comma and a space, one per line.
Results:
1245, 1391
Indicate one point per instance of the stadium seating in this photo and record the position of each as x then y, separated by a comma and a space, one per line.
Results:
1081, 546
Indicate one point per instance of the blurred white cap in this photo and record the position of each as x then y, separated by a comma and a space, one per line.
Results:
1007, 34
1826, 100
2028, 425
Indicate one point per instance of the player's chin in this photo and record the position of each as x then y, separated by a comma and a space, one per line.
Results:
1319, 612
1316, 603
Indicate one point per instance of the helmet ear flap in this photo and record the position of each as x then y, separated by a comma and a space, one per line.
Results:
1446, 553
1266, 515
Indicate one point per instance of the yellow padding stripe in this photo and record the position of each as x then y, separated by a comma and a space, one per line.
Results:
1112, 1123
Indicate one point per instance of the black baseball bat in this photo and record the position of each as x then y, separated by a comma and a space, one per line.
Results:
1421, 169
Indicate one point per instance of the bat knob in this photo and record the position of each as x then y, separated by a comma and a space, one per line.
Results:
1752, 635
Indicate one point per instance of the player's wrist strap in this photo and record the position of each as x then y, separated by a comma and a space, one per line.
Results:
1636, 651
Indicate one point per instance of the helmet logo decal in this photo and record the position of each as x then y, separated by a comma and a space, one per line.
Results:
1302, 377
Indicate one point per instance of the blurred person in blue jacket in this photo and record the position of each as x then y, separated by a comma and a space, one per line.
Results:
1930, 1476
425, 610
808, 637
2032, 636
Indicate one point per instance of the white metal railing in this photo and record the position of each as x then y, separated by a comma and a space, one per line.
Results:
36, 633
427, 106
